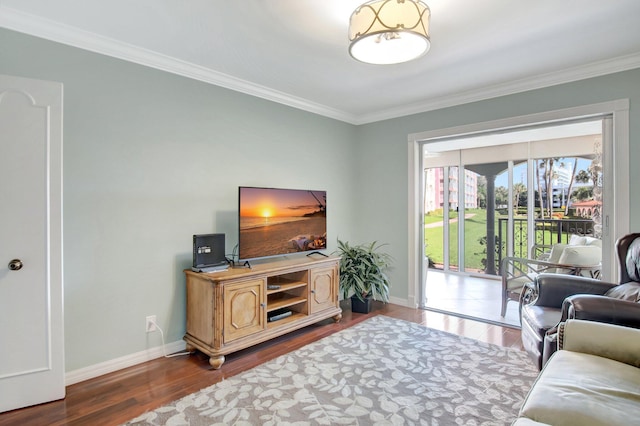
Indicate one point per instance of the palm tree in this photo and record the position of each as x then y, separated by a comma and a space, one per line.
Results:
502, 196
546, 165
570, 190
518, 189
583, 176
482, 192
539, 190
582, 194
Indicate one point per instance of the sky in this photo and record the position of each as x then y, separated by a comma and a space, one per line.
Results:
520, 171
270, 202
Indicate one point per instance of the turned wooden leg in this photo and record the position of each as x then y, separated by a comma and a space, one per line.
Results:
216, 361
337, 318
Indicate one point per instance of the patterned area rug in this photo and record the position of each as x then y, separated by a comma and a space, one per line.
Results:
382, 371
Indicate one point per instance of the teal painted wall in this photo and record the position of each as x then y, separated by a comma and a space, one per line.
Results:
383, 165
152, 158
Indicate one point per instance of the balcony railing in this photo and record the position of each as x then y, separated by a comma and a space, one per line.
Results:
548, 232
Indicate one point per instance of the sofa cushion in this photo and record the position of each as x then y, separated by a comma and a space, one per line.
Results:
580, 256
540, 318
628, 291
580, 240
581, 389
556, 252
592, 241
577, 240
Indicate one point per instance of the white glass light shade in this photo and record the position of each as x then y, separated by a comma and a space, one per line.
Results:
389, 31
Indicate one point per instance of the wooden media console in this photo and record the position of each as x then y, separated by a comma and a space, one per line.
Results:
231, 310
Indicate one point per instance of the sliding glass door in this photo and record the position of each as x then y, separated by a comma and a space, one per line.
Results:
500, 194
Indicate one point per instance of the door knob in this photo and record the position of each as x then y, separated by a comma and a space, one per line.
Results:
15, 265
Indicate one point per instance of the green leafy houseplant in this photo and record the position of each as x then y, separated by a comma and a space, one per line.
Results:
363, 271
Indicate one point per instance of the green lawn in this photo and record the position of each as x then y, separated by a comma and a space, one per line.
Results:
475, 231
437, 217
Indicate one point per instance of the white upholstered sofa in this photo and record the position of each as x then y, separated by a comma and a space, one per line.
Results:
594, 379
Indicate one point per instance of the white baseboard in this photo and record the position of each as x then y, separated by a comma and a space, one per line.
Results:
401, 302
92, 371
96, 370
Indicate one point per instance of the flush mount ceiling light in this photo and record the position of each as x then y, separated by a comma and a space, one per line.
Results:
389, 31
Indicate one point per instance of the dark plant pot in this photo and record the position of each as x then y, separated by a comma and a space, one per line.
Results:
359, 306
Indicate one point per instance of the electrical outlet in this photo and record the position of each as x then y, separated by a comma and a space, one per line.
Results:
150, 324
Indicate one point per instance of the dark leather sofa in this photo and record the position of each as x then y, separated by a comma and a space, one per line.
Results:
561, 297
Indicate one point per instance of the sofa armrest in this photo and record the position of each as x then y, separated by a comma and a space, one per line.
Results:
605, 340
552, 289
602, 309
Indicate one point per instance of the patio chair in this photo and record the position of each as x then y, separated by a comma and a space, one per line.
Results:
518, 273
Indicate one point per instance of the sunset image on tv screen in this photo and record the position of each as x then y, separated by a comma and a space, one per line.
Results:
281, 221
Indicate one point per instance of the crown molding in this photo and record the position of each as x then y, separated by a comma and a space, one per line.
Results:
44, 28
51, 30
595, 69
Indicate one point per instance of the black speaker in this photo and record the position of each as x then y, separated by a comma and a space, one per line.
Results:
208, 253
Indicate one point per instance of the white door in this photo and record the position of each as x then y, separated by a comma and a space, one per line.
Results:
31, 297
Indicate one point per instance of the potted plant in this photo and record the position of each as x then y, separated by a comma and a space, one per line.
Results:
363, 274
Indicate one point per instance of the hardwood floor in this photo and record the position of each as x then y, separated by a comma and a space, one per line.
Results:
120, 396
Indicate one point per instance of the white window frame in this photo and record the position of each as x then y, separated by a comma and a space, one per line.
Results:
616, 213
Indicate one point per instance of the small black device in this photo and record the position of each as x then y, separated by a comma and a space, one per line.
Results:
273, 287
208, 253
279, 314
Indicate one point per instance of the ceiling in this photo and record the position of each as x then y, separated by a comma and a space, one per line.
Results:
295, 51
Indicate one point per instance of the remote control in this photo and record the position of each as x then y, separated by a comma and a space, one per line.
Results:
273, 287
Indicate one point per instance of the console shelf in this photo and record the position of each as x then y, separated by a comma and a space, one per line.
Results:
284, 303
285, 321
228, 311
285, 287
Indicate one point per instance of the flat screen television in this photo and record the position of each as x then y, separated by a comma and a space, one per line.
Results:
275, 222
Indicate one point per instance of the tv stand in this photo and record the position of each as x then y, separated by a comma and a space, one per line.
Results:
238, 308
